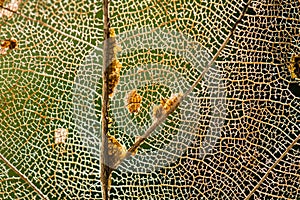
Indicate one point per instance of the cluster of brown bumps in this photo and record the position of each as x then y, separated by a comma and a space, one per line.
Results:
116, 150
115, 66
166, 105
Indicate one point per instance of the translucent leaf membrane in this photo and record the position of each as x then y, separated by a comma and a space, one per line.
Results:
38, 98
236, 135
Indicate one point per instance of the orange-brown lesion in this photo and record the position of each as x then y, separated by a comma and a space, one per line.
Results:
8, 44
115, 66
113, 76
133, 101
294, 67
166, 105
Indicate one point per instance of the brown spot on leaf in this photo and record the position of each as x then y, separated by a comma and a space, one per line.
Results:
294, 67
165, 105
6, 45
113, 76
133, 101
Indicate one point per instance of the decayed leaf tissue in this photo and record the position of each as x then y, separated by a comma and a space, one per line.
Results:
165, 105
6, 45
294, 67
133, 101
115, 66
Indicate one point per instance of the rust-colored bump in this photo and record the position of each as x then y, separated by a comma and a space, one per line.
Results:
133, 101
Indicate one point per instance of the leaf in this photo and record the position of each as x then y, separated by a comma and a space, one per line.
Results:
234, 135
